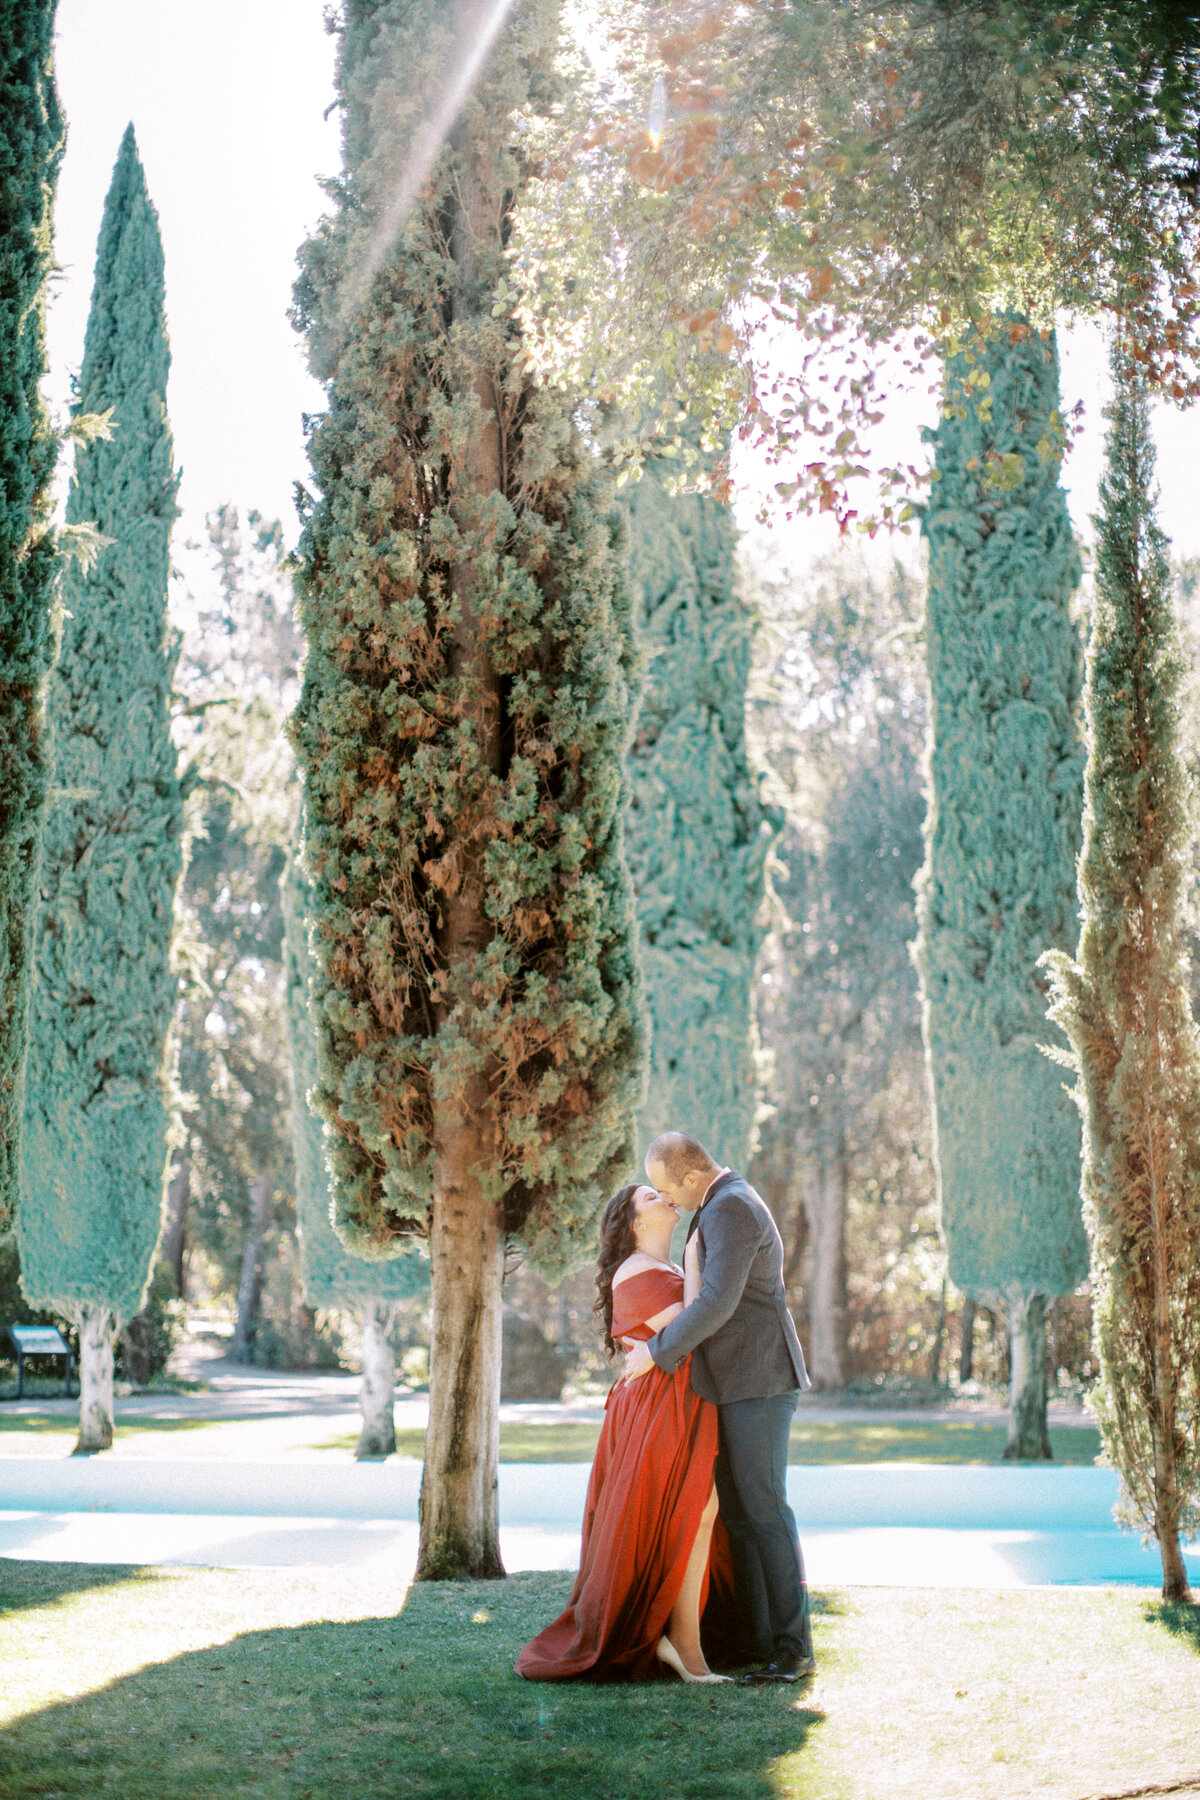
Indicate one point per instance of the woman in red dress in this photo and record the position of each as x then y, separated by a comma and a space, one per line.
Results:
651, 1505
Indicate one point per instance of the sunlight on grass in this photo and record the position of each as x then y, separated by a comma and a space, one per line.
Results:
295, 1685
937, 1441
813, 1441
41, 1435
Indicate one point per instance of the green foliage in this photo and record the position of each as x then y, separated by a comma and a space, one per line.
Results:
238, 676
99, 1074
332, 1276
852, 172
839, 716
1003, 830
697, 831
31, 142
449, 765
1124, 1000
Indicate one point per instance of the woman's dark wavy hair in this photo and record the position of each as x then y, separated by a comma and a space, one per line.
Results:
616, 1243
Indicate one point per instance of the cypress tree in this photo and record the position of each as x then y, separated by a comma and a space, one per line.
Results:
333, 1277
94, 1145
462, 730
1124, 1003
697, 832
1002, 836
31, 141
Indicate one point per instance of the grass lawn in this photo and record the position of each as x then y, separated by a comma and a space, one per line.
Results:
815, 1441
54, 1434
185, 1684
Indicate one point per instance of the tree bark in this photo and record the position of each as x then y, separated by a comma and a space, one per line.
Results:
174, 1242
377, 1389
460, 1520
249, 1296
966, 1343
939, 1340
96, 1328
1028, 1434
825, 1207
1176, 1588
460, 1523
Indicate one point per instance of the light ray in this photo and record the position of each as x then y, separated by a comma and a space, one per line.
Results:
478, 28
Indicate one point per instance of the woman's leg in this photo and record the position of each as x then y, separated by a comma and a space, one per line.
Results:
683, 1627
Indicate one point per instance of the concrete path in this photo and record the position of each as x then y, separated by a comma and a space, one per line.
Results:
896, 1524
327, 1403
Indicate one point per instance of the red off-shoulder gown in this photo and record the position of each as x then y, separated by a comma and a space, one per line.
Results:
650, 1481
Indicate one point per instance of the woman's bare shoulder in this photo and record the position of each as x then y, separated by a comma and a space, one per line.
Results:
641, 1264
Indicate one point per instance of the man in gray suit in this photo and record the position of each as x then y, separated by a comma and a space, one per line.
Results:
747, 1359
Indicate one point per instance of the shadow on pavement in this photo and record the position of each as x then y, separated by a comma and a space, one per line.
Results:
423, 1703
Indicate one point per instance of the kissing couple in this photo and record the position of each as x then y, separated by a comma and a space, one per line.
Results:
690, 1552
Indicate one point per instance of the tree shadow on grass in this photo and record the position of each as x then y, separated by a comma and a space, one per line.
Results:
423, 1703
25, 1586
1181, 1621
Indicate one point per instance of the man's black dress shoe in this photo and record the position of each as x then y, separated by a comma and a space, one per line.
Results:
785, 1665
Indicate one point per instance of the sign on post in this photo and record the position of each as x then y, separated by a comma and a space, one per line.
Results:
38, 1340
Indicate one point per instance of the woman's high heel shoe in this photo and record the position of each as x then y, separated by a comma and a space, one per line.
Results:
667, 1653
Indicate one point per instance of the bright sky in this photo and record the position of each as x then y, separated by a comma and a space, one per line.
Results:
227, 98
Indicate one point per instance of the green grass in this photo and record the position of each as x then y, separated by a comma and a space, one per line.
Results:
951, 1441
289, 1685
815, 1441
64, 1423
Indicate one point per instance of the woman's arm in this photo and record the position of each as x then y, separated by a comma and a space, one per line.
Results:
664, 1317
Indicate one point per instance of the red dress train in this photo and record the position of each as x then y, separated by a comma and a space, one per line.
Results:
650, 1482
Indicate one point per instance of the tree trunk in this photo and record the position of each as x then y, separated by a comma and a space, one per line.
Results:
825, 1207
377, 1389
1028, 1435
966, 1342
566, 1347
939, 1340
460, 1522
174, 1241
249, 1296
96, 1327
1176, 1589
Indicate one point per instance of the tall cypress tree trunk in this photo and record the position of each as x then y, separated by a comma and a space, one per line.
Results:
966, 1343
460, 1526
250, 1283
460, 1519
173, 1248
825, 1206
96, 1326
939, 1339
1028, 1434
377, 1389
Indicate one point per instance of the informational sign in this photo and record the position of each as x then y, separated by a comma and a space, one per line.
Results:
38, 1340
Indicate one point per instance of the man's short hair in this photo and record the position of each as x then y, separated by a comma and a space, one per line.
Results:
679, 1154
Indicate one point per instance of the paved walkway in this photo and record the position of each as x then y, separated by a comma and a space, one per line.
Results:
250, 1472
894, 1524
288, 1405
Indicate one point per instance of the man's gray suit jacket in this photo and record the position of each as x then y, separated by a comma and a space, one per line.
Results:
740, 1334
